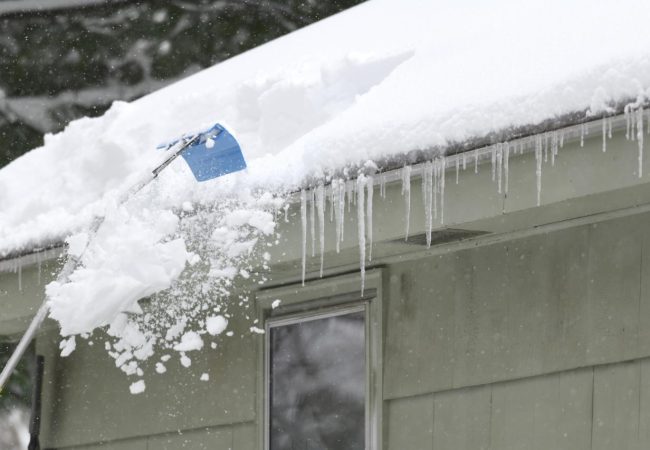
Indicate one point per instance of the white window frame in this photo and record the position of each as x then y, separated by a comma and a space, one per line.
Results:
320, 299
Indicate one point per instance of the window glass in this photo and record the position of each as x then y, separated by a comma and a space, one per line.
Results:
318, 384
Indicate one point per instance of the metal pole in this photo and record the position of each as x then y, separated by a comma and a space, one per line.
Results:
35, 423
72, 262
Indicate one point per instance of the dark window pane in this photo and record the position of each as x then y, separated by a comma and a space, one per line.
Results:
318, 384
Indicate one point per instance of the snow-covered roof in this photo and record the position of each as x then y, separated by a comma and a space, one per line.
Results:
374, 82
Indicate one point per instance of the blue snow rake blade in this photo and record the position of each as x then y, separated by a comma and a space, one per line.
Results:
211, 153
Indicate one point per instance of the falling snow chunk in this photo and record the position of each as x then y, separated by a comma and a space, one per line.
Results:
275, 303
205, 377
67, 346
160, 368
256, 330
185, 361
190, 341
216, 324
138, 387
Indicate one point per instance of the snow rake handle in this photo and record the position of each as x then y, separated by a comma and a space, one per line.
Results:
73, 261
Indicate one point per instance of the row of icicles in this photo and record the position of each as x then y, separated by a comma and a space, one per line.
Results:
343, 194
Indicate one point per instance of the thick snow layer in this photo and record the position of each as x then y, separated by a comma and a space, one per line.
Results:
420, 74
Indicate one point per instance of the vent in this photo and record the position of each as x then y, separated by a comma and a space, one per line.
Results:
441, 237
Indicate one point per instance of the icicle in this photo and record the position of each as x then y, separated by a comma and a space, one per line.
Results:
553, 147
639, 138
38, 273
20, 277
476, 161
406, 192
582, 135
312, 221
382, 186
494, 161
538, 169
441, 179
338, 211
350, 188
628, 122
361, 226
320, 207
545, 147
609, 127
506, 158
457, 168
331, 200
561, 138
427, 194
303, 218
632, 124
604, 122
464, 161
370, 187
499, 163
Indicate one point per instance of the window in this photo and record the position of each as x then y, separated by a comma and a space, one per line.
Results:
321, 356
317, 381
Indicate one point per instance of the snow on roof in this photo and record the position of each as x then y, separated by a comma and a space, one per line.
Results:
378, 80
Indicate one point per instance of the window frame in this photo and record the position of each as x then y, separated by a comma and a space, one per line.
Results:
320, 299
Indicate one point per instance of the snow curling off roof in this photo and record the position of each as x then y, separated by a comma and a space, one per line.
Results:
374, 82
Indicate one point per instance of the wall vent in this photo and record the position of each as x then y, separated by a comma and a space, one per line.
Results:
440, 236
